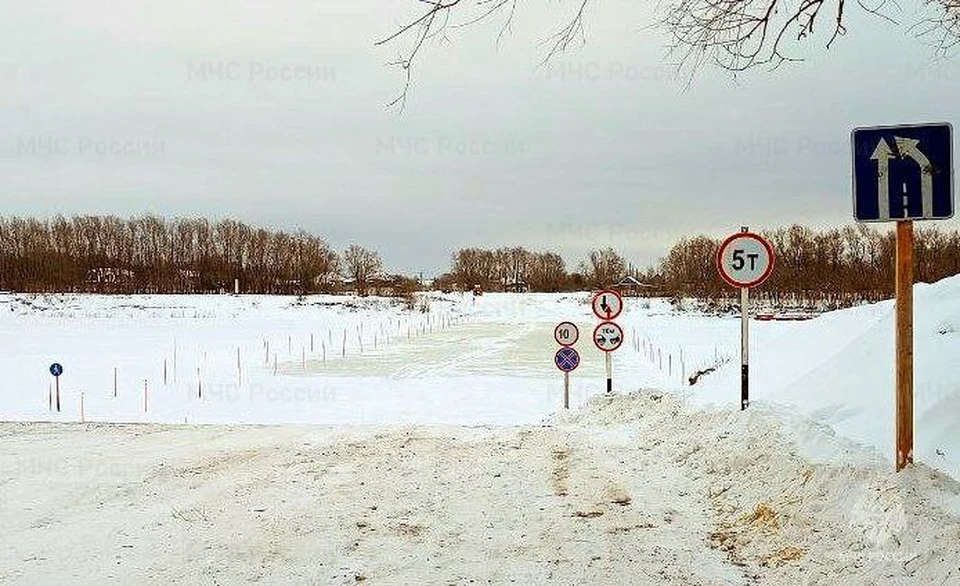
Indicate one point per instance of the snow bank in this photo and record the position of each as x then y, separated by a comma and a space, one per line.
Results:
838, 370
632, 489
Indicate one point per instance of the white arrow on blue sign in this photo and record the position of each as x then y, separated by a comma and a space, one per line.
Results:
903, 173
56, 369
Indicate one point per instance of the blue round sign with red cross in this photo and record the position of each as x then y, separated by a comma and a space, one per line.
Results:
567, 359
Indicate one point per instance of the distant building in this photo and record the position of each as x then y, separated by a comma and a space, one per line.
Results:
630, 286
110, 279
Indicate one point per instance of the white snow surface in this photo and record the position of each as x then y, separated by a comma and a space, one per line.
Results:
465, 362
438, 453
631, 489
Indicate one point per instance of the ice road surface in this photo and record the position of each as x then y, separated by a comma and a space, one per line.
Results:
431, 448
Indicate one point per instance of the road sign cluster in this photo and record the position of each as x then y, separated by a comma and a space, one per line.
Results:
607, 305
567, 358
566, 334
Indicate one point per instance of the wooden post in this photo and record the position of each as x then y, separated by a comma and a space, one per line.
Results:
904, 343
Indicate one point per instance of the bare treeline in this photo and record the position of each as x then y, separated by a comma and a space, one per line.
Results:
832, 268
153, 255
506, 268
517, 268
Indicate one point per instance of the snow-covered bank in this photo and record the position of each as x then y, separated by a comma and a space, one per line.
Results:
838, 370
636, 489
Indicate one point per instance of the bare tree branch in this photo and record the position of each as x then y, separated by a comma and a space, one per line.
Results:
435, 19
734, 35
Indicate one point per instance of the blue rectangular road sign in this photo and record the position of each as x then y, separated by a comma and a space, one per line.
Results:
903, 173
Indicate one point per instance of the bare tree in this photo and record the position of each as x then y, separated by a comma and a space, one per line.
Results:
603, 267
361, 264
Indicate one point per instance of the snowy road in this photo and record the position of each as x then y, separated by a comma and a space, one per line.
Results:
632, 490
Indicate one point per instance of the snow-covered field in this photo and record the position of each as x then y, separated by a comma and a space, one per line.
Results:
438, 453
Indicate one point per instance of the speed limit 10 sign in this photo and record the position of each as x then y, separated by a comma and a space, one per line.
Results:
745, 260
566, 333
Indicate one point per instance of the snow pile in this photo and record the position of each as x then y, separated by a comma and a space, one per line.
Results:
838, 370
632, 489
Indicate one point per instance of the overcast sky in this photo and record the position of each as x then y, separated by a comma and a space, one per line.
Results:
175, 108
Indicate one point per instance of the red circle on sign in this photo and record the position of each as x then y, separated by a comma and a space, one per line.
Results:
593, 304
567, 359
576, 333
766, 274
620, 337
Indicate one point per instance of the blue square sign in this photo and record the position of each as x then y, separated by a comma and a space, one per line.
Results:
903, 173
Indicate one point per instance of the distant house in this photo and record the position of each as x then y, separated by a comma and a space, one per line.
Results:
516, 286
630, 286
329, 282
110, 279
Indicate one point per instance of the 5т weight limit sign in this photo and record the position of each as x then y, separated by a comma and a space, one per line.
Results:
745, 260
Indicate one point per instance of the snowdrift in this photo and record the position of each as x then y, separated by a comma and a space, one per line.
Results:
839, 370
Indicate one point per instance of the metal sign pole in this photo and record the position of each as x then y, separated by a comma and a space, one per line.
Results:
57, 383
566, 390
609, 373
744, 347
904, 343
